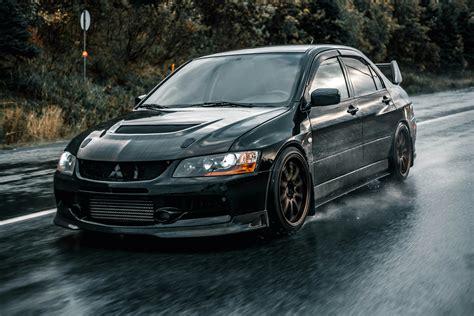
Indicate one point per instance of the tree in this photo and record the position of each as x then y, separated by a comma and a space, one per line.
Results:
377, 28
322, 21
229, 25
410, 43
284, 27
446, 32
14, 35
467, 32
353, 27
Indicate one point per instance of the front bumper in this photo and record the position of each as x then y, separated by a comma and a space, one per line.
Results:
211, 206
203, 227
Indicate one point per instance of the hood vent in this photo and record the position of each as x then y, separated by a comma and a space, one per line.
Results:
152, 129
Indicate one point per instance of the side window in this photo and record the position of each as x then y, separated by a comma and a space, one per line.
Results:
360, 76
330, 75
377, 79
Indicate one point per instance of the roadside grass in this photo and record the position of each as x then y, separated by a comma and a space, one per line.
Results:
23, 126
47, 125
14, 124
40, 105
418, 83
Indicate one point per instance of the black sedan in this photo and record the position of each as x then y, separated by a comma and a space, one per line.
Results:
239, 141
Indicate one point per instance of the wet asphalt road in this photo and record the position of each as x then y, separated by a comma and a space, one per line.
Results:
384, 249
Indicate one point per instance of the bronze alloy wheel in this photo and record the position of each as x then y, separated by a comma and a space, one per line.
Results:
402, 154
292, 191
291, 187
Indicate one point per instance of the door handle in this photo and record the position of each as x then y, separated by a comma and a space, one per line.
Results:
386, 99
352, 109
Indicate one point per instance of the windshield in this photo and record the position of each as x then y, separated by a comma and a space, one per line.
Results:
256, 79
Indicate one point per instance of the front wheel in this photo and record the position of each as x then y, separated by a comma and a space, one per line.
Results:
289, 195
401, 154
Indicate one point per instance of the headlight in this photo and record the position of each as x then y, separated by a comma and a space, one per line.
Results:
66, 163
218, 165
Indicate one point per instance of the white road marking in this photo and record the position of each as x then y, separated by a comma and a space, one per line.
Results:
436, 119
26, 217
18, 177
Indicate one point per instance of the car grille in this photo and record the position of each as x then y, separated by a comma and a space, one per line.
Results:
115, 210
121, 171
135, 210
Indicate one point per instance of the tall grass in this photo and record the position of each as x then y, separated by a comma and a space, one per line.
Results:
47, 125
20, 125
14, 124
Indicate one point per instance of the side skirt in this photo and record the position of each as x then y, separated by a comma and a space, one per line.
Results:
349, 182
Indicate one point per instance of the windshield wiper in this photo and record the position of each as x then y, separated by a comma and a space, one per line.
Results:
151, 106
224, 103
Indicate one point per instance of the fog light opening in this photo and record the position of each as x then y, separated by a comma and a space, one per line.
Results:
168, 215
162, 216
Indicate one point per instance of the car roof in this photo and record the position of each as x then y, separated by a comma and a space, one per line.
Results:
281, 49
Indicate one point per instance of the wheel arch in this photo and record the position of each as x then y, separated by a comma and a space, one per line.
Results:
404, 121
295, 144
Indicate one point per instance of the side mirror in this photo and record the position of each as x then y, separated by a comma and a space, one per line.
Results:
396, 73
323, 97
139, 98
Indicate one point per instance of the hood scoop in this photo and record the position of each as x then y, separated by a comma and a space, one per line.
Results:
152, 129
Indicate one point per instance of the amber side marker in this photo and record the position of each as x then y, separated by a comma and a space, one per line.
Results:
245, 168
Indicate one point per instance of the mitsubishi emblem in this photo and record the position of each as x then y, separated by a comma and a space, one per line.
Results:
116, 173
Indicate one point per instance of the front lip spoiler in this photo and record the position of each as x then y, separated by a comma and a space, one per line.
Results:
200, 227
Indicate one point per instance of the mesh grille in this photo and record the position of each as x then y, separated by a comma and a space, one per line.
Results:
121, 211
121, 171
129, 210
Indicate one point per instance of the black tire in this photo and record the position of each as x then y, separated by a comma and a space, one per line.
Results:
289, 198
401, 154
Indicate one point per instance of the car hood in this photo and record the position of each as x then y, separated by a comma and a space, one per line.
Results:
169, 134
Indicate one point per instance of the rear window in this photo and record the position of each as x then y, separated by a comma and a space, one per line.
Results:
377, 79
360, 76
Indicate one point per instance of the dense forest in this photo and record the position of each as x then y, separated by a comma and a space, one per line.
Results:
132, 45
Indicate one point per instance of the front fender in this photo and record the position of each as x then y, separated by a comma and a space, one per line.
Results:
291, 127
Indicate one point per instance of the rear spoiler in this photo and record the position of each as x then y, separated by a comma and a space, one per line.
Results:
391, 71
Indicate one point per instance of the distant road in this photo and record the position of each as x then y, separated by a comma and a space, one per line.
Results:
26, 173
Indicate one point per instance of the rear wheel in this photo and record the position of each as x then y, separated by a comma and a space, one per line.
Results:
289, 199
401, 154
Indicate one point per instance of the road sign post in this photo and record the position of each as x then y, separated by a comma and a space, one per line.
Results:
85, 24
